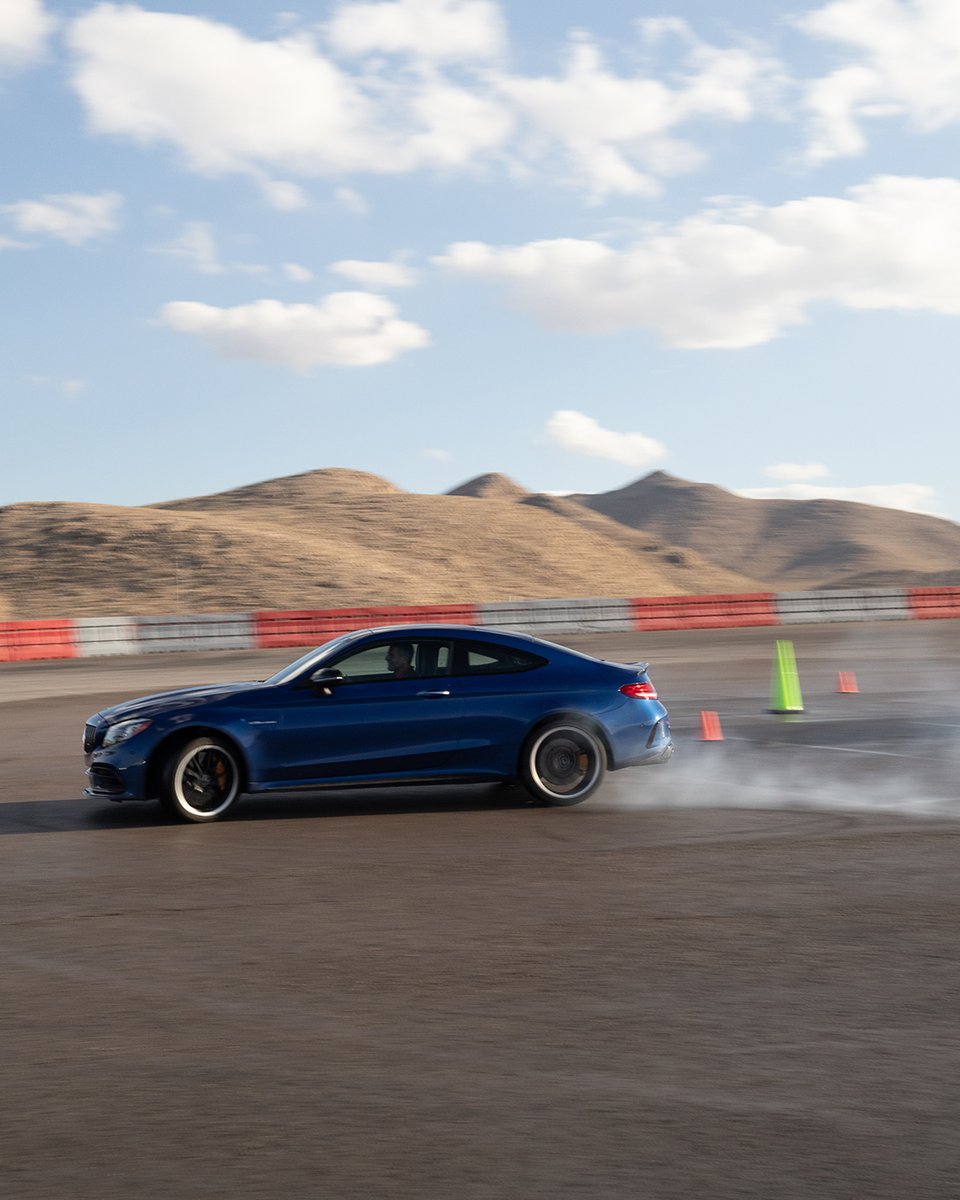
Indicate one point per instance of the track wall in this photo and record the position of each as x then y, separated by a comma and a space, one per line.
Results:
86, 637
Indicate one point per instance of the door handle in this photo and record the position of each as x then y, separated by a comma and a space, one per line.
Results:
431, 695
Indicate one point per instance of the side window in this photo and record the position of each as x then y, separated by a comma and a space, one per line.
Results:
396, 659
476, 658
365, 665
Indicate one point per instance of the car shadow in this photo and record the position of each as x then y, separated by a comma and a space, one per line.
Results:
78, 815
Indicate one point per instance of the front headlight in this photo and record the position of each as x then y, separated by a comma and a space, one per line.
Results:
123, 731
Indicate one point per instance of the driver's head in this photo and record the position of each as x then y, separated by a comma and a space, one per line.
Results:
400, 656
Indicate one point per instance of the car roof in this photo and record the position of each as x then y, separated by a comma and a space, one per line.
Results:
411, 631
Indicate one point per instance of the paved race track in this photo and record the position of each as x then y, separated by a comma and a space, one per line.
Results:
736, 976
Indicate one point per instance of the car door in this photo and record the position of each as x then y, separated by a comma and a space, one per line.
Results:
502, 690
369, 725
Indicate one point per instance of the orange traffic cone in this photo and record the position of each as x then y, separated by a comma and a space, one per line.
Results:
710, 727
847, 683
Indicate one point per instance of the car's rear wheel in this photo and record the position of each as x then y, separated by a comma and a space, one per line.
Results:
201, 780
563, 763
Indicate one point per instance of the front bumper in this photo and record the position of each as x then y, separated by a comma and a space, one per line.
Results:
110, 778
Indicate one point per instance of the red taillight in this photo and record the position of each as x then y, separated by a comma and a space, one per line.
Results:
639, 691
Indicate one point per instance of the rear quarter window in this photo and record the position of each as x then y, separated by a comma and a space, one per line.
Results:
481, 659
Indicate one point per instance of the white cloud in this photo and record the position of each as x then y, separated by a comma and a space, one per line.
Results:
438, 455
197, 246
73, 218
913, 497
24, 27
345, 329
736, 277
619, 133
228, 102
796, 472
376, 274
296, 273
441, 30
581, 434
283, 196
904, 61
231, 103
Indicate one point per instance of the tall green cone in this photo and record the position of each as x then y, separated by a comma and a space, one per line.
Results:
785, 686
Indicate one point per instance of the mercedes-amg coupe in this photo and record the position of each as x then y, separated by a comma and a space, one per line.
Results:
400, 705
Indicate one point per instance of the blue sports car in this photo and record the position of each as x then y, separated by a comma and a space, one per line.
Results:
398, 705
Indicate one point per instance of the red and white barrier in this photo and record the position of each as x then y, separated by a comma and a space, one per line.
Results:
869, 604
25, 640
266, 630
312, 627
930, 604
704, 612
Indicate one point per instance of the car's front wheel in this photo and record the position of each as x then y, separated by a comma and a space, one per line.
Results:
201, 780
563, 763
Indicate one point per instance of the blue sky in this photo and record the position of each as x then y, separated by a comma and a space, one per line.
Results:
569, 241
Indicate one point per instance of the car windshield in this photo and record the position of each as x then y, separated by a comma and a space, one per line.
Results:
313, 657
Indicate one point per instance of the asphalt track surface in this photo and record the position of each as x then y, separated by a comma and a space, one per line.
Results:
734, 976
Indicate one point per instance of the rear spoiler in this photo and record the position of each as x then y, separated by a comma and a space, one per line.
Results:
639, 667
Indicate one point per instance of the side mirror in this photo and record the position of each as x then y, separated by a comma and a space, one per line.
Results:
324, 679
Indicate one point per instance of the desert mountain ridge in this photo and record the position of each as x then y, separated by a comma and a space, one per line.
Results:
790, 544
339, 538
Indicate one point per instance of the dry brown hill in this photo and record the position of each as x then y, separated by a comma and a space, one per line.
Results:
491, 486
328, 539
338, 538
789, 544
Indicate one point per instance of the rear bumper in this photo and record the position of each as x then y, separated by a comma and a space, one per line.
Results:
649, 758
644, 742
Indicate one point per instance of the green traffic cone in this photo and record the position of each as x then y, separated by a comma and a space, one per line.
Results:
785, 687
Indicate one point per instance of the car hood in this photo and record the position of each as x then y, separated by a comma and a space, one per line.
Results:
162, 702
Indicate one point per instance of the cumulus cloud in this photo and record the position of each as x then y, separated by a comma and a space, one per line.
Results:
619, 132
345, 329
74, 217
913, 497
24, 28
796, 472
577, 432
376, 274
227, 101
739, 276
231, 103
904, 61
440, 30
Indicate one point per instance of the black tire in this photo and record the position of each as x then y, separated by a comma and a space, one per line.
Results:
201, 780
562, 763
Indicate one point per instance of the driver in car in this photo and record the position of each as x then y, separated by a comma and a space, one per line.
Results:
400, 660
